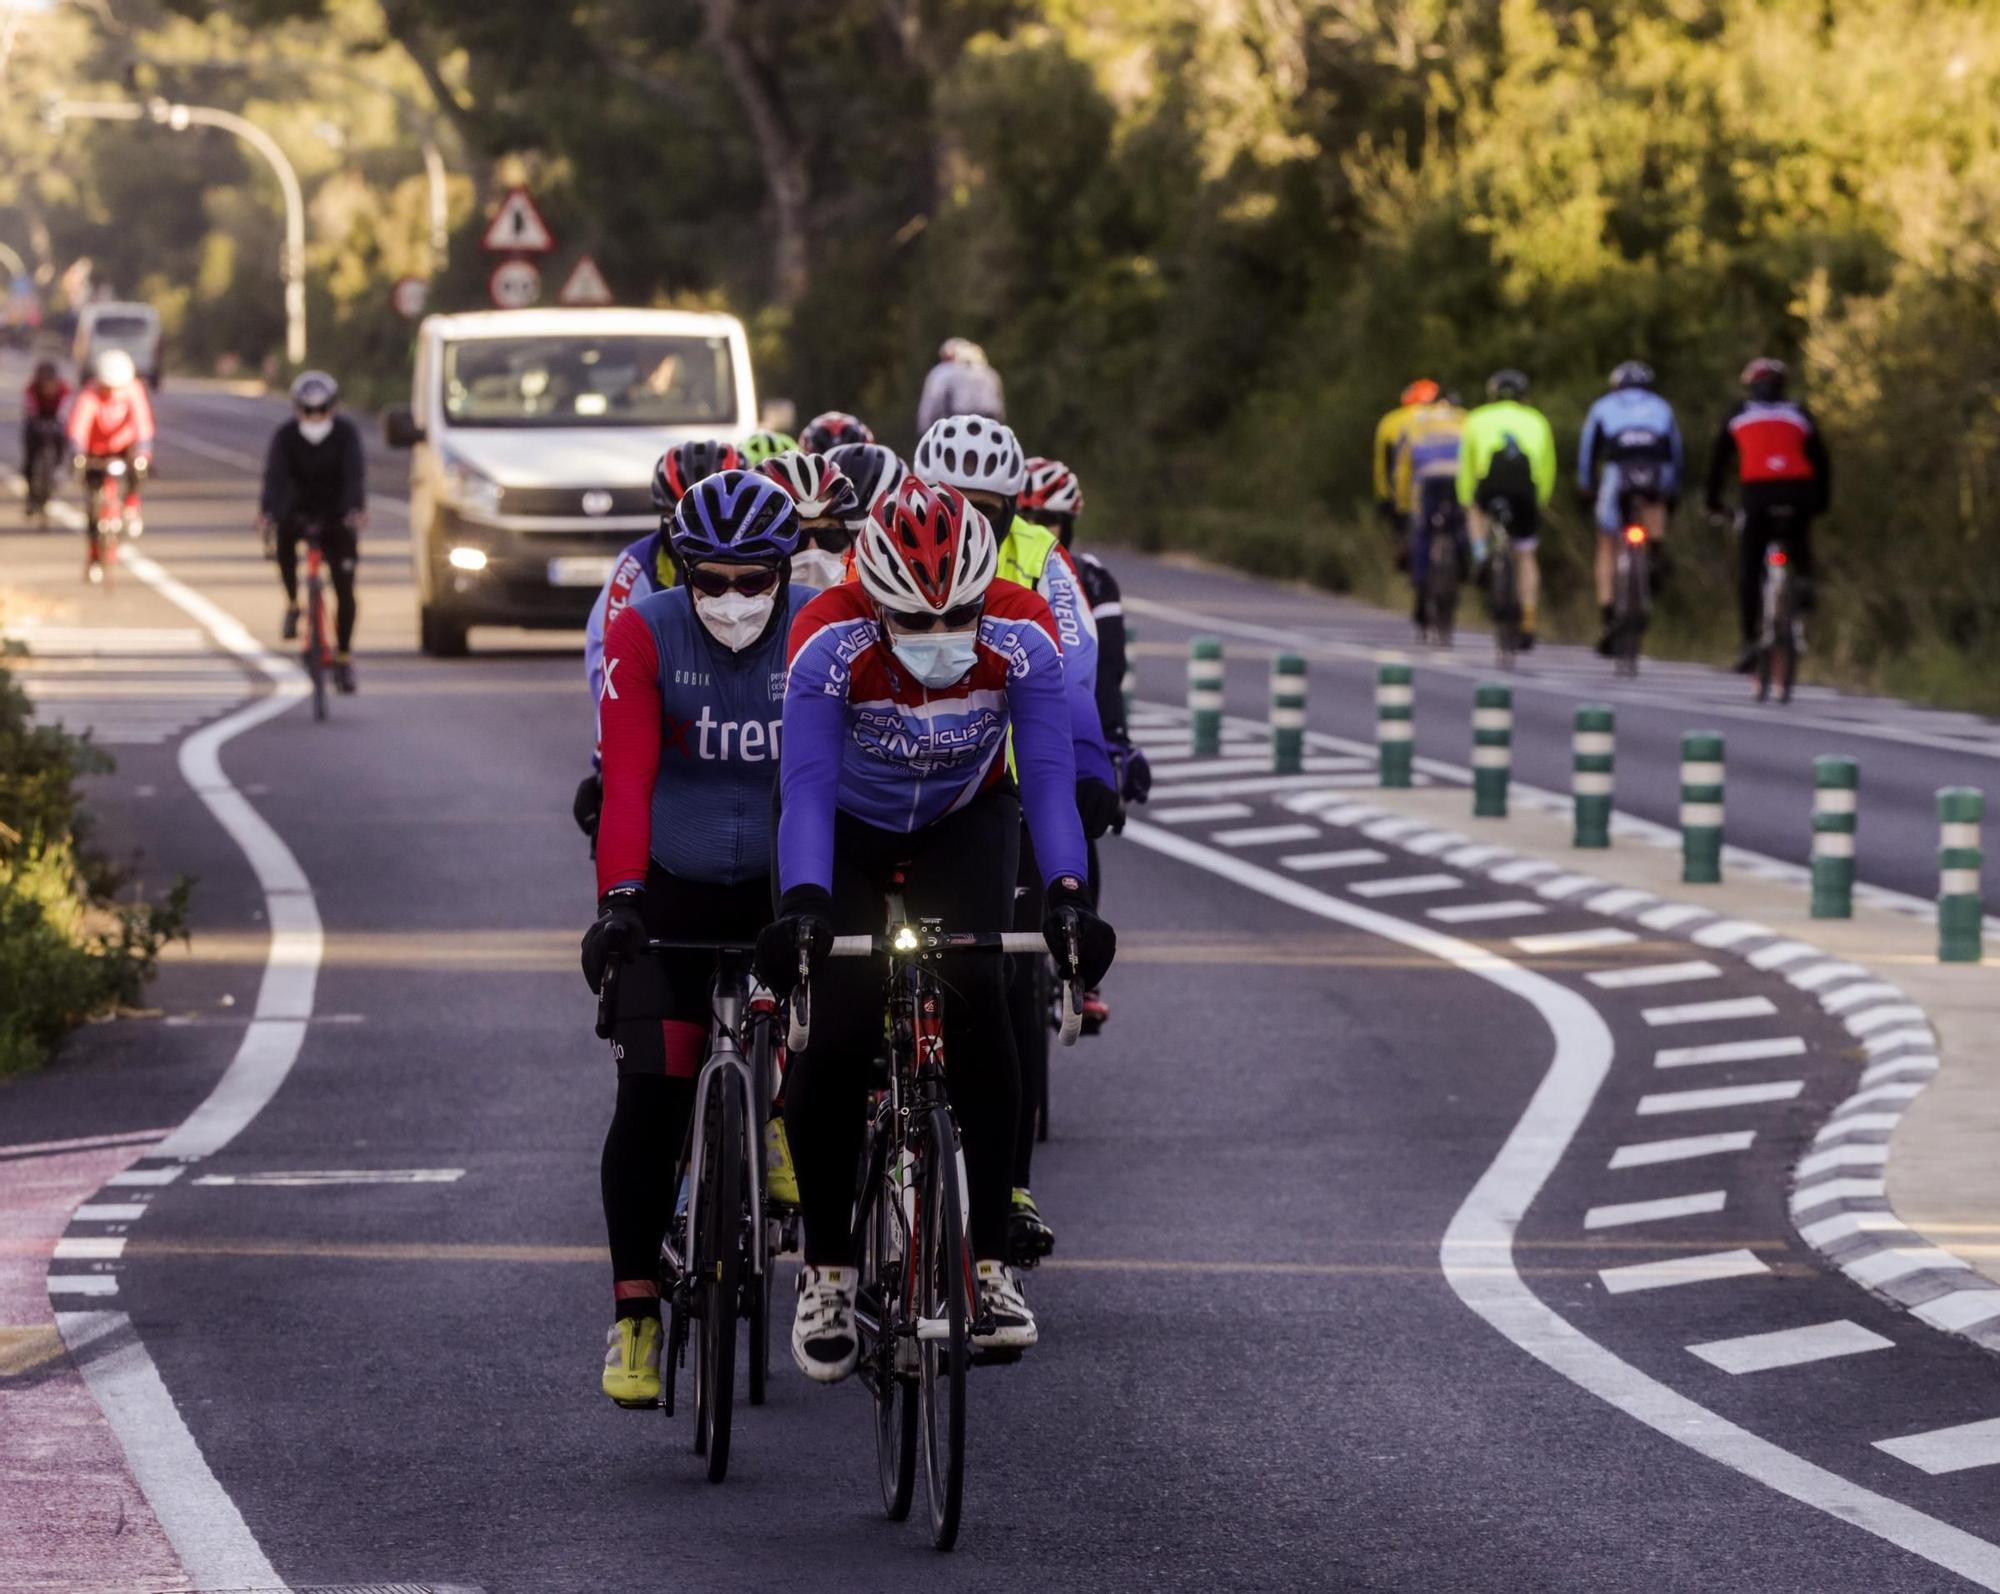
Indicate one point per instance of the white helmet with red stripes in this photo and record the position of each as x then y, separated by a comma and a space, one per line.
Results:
821, 490
926, 551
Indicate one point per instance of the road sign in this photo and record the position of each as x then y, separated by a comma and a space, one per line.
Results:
515, 284
517, 227
585, 285
409, 297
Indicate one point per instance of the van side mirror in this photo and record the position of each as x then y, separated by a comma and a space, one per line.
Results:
400, 429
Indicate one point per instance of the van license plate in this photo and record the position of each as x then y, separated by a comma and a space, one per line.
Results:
580, 571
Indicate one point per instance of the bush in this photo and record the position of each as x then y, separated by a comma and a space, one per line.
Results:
69, 950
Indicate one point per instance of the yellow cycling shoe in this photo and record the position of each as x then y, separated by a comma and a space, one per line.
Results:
781, 1181
632, 1362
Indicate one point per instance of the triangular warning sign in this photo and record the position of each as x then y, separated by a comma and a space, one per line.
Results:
517, 227
585, 285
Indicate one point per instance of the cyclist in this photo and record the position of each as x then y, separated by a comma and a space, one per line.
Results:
689, 714
113, 419
904, 687
1424, 480
762, 445
1392, 498
644, 568
1785, 478
829, 513
1509, 459
1628, 464
831, 429
876, 471
42, 403
315, 475
961, 383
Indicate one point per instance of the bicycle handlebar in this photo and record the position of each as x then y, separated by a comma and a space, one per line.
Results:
907, 940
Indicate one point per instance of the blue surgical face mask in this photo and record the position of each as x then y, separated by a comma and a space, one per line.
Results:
937, 658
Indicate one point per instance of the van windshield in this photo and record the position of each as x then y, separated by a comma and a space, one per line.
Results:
121, 327
578, 381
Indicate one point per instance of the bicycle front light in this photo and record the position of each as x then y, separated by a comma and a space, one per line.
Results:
905, 939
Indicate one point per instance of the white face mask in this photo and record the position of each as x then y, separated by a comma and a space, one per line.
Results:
816, 568
937, 658
317, 432
735, 619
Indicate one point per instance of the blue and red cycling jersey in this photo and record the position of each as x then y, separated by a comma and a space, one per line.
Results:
866, 738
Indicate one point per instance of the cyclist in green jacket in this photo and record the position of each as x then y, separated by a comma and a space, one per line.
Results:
1507, 459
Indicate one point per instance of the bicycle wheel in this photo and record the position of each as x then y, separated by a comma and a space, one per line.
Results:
882, 1274
758, 1286
944, 1291
315, 648
1632, 600
1441, 589
1506, 610
719, 1282
1788, 650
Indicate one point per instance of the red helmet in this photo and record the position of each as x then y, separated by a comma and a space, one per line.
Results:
926, 551
1766, 374
1052, 490
832, 429
1421, 391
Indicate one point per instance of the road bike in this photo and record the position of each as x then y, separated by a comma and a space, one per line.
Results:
1502, 583
715, 1264
1778, 641
105, 488
45, 449
916, 1310
316, 650
1631, 597
1440, 590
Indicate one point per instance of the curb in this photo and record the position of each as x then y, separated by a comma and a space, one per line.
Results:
1839, 1204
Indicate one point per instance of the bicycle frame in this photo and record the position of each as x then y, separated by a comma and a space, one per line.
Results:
731, 1002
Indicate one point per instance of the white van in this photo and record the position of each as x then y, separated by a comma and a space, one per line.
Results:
111, 324
535, 435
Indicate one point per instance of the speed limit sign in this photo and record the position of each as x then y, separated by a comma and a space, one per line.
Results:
515, 285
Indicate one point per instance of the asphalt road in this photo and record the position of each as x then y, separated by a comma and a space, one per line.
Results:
1256, 1370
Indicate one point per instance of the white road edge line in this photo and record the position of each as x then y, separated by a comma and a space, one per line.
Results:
1478, 1250
215, 1545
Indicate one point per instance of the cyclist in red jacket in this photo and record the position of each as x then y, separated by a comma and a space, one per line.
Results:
113, 419
42, 403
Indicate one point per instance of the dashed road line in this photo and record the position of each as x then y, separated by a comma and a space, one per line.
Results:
1202, 813
1407, 885
1954, 1449
1677, 1270
1347, 858
1653, 974
1619, 1214
1264, 835
1484, 912
1717, 1097
1682, 1148
1790, 1347
1730, 1052
1574, 940
1729, 1007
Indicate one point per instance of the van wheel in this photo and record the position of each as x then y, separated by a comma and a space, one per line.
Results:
439, 635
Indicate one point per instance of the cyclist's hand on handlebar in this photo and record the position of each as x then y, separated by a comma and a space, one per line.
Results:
804, 923
1097, 805
618, 929
1096, 942
1135, 781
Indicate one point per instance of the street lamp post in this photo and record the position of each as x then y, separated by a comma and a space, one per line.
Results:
179, 118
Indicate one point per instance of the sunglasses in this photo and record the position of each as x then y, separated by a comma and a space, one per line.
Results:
319, 414
966, 614
831, 535
714, 584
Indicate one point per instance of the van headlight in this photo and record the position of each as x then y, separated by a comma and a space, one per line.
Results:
470, 490
464, 558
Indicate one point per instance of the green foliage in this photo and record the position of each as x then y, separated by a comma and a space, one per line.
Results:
68, 949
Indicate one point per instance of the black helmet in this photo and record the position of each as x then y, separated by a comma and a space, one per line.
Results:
874, 469
1633, 373
314, 391
1765, 378
681, 466
1508, 384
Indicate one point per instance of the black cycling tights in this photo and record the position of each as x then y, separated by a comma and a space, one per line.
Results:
341, 549
638, 1177
961, 870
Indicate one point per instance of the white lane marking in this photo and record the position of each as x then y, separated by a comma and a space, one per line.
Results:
1478, 1249
1316, 766
146, 1176
1960, 1309
1481, 912
1861, 995
1327, 787
314, 1178
1350, 858
1408, 885
1711, 1012
1731, 932
1808, 1196
1683, 1148
1202, 812
1871, 1019
1622, 900
1969, 1444
1574, 940
1878, 1045
1619, 1214
1671, 916
40, 1148
1866, 1155
1654, 974
1859, 1123
1730, 1052
109, 1212
89, 1248
1565, 886
1776, 957
1264, 835
82, 1284
1821, 974
1718, 1096
1790, 1347
1900, 1261
1690, 1270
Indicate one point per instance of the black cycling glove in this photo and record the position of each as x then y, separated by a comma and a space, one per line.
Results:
588, 804
805, 919
618, 929
1135, 781
1097, 805
1096, 941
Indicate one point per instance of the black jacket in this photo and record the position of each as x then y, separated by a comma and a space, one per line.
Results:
315, 481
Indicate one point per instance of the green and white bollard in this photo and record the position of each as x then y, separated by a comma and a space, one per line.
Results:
1701, 808
1592, 745
1205, 694
1961, 902
1130, 685
1395, 729
1288, 714
1492, 750
1836, 808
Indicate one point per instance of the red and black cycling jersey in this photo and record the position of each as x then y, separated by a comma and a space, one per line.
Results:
1774, 446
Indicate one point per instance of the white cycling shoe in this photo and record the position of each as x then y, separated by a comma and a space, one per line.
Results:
824, 1341
1001, 1301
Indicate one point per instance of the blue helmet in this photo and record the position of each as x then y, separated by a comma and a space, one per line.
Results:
737, 515
1633, 373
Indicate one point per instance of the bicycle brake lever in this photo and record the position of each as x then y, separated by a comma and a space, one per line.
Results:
798, 1030
1072, 999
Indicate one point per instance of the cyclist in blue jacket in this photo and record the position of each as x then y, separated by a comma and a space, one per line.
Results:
1628, 463
690, 719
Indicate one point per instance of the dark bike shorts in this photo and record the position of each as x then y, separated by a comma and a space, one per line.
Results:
673, 987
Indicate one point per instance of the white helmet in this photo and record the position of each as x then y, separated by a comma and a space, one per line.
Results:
115, 368
926, 551
819, 488
973, 454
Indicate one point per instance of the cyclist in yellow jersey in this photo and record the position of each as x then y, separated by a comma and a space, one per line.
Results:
1392, 499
